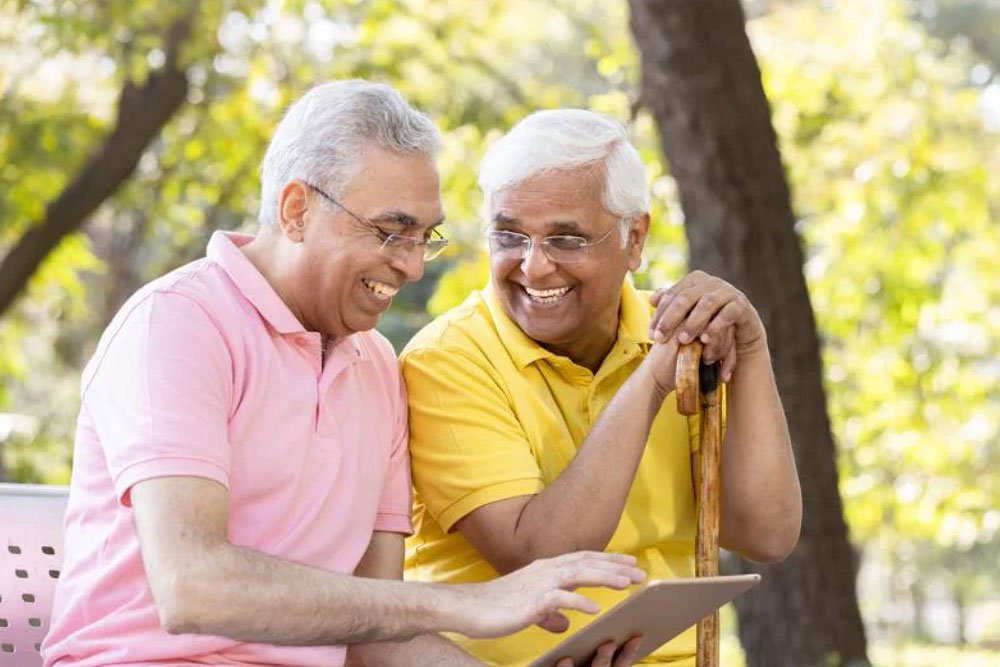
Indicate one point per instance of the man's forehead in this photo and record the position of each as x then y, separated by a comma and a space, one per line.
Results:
552, 210
395, 187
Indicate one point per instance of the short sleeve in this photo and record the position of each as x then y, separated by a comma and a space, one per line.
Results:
397, 494
467, 447
159, 394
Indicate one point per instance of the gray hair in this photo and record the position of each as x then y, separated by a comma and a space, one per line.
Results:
323, 135
563, 140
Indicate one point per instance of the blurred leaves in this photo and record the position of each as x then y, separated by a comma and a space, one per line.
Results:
894, 167
887, 134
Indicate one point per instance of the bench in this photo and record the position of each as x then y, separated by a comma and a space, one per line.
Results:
31, 538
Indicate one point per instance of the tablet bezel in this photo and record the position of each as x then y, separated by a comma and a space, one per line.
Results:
659, 610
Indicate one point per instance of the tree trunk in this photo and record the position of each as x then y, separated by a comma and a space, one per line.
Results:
961, 609
701, 82
918, 598
142, 113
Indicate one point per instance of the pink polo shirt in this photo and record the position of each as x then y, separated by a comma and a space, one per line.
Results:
206, 373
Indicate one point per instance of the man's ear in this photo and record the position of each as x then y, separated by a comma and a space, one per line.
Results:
293, 202
637, 240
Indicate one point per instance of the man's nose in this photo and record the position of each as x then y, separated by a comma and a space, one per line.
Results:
535, 262
410, 264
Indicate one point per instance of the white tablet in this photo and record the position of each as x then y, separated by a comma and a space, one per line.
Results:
658, 610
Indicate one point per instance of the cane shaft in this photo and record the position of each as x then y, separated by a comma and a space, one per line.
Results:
698, 390
707, 541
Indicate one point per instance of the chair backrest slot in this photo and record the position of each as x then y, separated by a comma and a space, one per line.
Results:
31, 527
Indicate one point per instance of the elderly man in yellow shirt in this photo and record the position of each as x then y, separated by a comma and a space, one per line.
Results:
542, 413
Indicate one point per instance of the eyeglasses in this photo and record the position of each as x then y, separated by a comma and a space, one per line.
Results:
561, 249
393, 244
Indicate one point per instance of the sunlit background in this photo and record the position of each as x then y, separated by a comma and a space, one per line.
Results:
888, 114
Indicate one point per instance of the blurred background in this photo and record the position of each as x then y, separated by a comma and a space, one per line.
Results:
130, 131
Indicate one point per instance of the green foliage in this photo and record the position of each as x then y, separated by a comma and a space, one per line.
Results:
891, 158
892, 162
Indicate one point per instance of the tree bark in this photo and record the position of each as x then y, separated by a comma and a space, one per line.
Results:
142, 113
701, 82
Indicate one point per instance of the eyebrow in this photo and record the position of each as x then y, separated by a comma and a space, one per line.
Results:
566, 227
502, 219
403, 219
554, 228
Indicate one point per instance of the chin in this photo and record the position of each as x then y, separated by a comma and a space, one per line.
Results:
545, 336
363, 324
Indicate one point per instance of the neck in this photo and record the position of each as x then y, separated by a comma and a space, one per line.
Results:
264, 252
591, 351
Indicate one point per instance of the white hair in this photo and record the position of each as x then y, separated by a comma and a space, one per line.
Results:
322, 137
564, 140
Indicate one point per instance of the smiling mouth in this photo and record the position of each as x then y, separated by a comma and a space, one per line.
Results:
381, 290
546, 296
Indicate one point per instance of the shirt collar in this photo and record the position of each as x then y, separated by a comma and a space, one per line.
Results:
523, 349
636, 314
633, 325
224, 250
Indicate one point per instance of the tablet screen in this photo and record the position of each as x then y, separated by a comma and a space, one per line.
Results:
658, 610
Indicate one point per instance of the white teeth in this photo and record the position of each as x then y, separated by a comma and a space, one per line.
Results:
546, 295
383, 290
558, 291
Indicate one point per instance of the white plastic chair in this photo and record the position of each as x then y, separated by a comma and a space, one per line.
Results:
31, 540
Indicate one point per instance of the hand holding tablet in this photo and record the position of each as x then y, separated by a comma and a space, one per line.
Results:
658, 611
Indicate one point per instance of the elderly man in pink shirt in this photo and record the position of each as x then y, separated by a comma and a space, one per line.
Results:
241, 484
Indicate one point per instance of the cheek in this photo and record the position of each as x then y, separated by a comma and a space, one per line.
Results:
501, 269
596, 286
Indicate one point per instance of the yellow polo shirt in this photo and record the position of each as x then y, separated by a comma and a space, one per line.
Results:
494, 415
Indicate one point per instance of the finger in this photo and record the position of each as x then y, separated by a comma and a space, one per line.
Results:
664, 297
556, 600
565, 662
600, 574
708, 305
661, 306
596, 556
555, 622
674, 311
629, 652
717, 341
655, 297
729, 364
728, 345
603, 565
661, 298
605, 653
722, 324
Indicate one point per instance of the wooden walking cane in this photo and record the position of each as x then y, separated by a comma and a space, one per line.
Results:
698, 388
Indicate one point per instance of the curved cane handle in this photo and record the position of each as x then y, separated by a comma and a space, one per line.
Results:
688, 386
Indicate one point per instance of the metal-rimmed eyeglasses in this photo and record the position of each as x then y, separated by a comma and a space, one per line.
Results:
562, 248
392, 244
